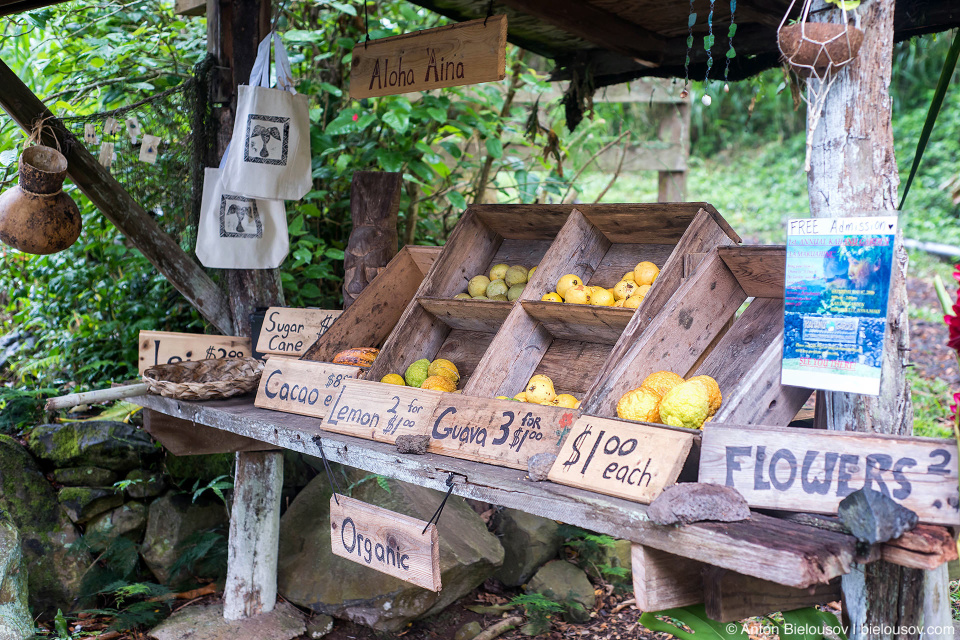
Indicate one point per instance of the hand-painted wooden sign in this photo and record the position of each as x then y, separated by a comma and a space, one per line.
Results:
624, 459
381, 412
812, 471
385, 541
300, 386
166, 347
290, 332
458, 54
500, 432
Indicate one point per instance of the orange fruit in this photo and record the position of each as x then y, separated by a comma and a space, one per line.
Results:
566, 282
602, 298
577, 294
660, 382
645, 273
713, 391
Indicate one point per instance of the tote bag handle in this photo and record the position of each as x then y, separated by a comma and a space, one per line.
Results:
260, 75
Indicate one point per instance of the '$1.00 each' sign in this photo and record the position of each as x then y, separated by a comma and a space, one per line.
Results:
624, 459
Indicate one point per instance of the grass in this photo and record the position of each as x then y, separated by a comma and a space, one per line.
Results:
931, 406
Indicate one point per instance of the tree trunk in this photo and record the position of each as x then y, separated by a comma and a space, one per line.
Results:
854, 172
374, 203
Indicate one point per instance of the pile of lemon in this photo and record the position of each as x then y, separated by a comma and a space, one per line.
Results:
539, 390
666, 398
504, 283
628, 293
439, 375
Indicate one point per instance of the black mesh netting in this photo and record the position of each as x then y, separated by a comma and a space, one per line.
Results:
181, 117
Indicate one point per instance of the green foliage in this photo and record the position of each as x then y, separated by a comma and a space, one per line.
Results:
218, 485
202, 554
60, 626
539, 609
21, 408
382, 482
692, 623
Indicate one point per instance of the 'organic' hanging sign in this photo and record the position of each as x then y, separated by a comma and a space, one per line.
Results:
459, 54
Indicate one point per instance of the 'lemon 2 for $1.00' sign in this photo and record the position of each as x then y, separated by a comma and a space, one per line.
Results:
459, 54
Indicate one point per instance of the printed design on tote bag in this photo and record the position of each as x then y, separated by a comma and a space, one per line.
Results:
239, 218
268, 139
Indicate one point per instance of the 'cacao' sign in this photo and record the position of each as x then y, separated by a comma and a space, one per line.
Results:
812, 471
458, 54
301, 386
385, 541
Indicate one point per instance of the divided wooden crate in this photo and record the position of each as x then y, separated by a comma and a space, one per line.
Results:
375, 312
498, 346
690, 336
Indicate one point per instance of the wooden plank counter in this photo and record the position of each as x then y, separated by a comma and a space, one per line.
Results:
764, 547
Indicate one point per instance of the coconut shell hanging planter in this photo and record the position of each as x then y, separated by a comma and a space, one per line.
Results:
819, 47
36, 216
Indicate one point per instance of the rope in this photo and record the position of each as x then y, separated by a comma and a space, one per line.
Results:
41, 195
435, 518
334, 486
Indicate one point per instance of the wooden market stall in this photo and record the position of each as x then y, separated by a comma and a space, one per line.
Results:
688, 324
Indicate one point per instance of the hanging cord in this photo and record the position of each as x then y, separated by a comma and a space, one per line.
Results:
276, 17
36, 132
489, 13
326, 466
366, 25
691, 20
732, 31
435, 518
708, 42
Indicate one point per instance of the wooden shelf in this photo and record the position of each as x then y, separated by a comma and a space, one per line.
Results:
584, 322
468, 315
777, 550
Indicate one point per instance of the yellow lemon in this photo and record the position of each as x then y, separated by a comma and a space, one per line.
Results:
577, 294
713, 392
393, 378
660, 382
540, 389
438, 383
619, 303
642, 290
516, 275
632, 302
552, 297
522, 396
496, 288
566, 401
445, 368
602, 298
566, 282
498, 272
686, 405
624, 289
641, 404
628, 276
478, 285
530, 273
645, 273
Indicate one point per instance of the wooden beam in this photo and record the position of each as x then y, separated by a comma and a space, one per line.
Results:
117, 205
593, 24
730, 597
765, 547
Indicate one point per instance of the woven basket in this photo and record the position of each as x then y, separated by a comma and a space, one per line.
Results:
204, 379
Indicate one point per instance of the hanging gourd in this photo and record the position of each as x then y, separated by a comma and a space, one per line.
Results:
818, 51
36, 216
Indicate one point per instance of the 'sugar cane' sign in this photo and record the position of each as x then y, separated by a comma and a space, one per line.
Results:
801, 470
291, 331
465, 53
385, 541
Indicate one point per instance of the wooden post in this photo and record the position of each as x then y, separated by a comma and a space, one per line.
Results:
251, 586
854, 170
374, 203
675, 128
118, 206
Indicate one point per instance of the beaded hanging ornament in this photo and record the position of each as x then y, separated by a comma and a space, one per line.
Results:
818, 52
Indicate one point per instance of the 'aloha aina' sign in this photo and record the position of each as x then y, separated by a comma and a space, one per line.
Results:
465, 53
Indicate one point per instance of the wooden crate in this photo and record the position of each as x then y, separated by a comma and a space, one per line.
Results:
434, 324
375, 312
696, 331
599, 243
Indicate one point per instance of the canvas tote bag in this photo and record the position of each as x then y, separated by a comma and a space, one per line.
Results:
239, 232
271, 134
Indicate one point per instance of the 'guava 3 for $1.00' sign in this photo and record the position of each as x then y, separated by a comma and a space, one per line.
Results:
465, 53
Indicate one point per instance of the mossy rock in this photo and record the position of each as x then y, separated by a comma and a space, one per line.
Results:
111, 445
82, 503
85, 477
128, 520
171, 519
146, 484
15, 620
567, 584
54, 569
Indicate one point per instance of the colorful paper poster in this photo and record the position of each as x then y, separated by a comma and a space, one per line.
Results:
835, 307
